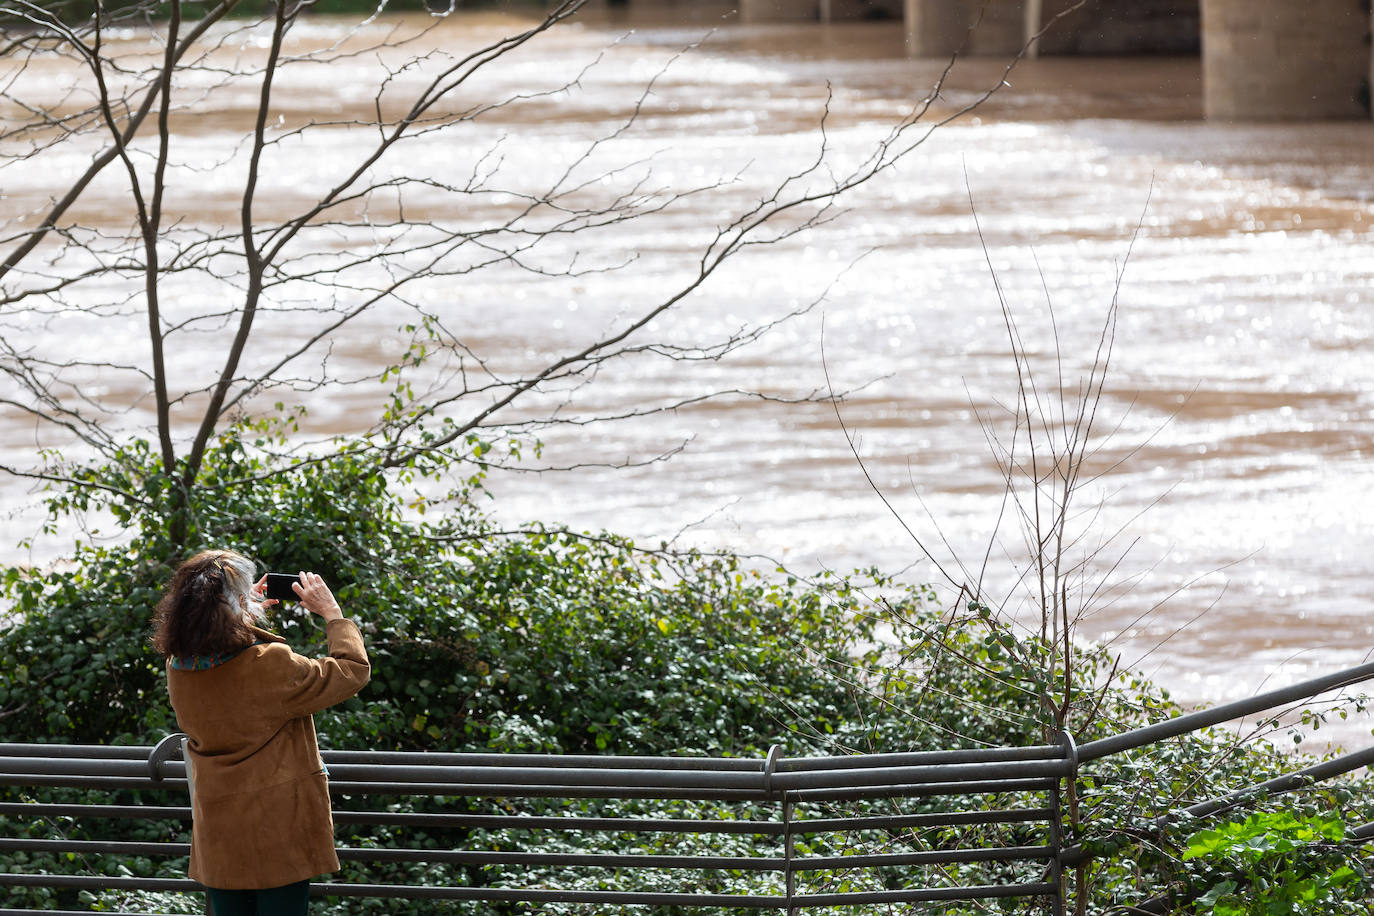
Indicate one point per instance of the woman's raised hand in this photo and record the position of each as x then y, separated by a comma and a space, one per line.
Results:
316, 597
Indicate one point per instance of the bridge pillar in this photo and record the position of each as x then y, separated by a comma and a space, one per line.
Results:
1279, 60
939, 28
935, 28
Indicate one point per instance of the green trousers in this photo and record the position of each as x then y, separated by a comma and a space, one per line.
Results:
290, 900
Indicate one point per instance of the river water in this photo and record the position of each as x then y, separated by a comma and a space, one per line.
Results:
1223, 530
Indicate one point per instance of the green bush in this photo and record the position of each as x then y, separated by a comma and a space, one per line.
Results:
539, 640
1278, 862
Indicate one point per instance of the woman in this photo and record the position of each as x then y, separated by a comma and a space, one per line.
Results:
261, 822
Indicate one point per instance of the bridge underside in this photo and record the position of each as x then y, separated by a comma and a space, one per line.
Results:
938, 28
1262, 59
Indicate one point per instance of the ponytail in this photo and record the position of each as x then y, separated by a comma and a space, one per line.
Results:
209, 606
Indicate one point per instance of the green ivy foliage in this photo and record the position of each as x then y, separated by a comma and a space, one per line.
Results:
534, 640
1275, 863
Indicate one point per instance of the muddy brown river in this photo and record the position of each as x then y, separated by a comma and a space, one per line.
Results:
1224, 527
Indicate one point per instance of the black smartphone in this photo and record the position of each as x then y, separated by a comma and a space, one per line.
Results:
279, 586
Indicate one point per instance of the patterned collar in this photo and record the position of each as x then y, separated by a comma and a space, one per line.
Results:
206, 662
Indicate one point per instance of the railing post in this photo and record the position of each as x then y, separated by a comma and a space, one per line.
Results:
788, 851
789, 877
1057, 877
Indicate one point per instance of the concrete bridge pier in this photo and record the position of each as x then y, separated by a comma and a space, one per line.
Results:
939, 28
1280, 60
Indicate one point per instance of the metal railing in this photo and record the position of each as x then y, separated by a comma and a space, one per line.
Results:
817, 832
776, 833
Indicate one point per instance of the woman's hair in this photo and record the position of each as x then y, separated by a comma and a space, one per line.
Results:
209, 606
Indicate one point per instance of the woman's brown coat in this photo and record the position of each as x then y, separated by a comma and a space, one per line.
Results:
260, 805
